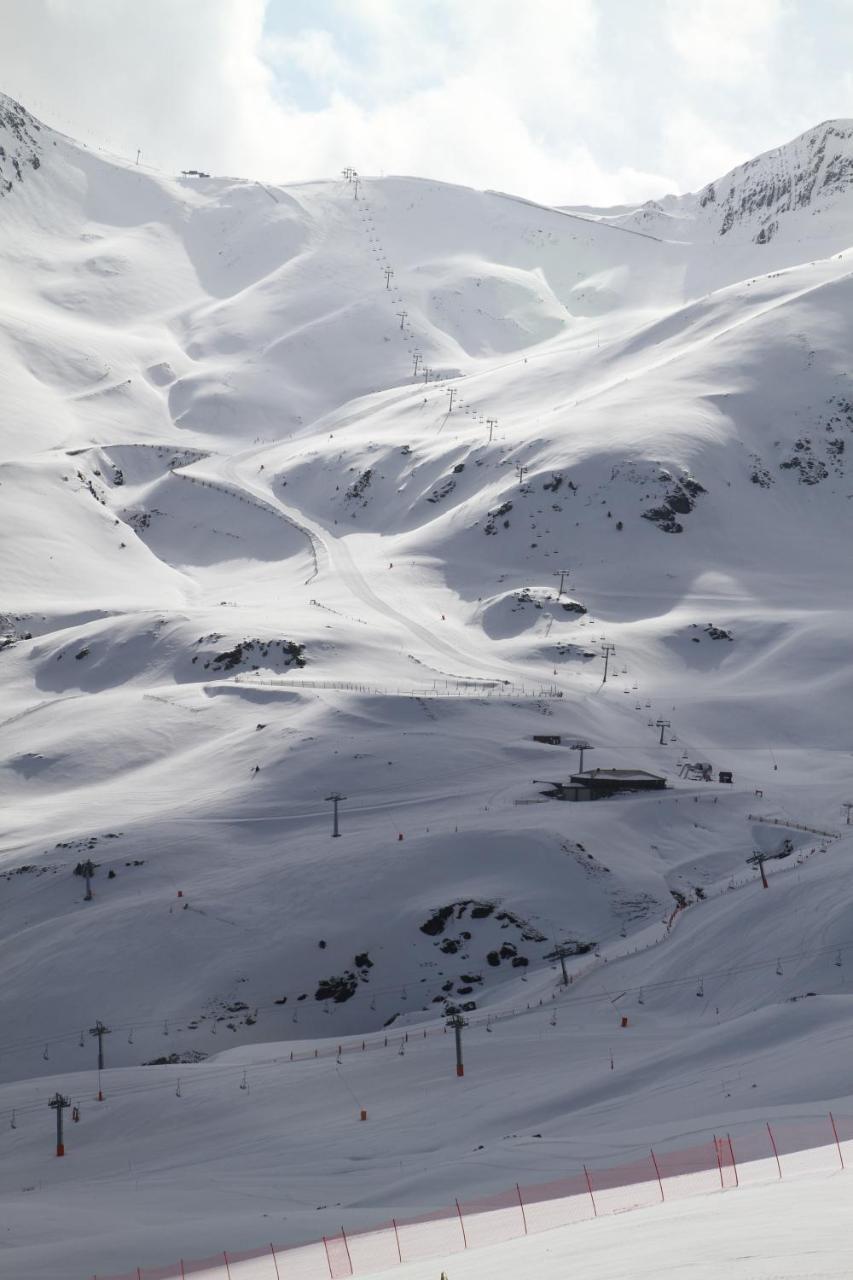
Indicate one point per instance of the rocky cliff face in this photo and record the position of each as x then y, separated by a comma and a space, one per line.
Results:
774, 196
19, 149
810, 173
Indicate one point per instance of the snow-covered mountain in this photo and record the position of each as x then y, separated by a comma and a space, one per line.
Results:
801, 190
288, 476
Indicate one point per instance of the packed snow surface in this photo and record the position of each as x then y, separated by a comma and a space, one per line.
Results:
288, 478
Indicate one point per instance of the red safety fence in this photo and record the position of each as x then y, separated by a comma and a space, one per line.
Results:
785, 1148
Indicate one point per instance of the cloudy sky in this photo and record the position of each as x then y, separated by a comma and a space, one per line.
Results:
564, 101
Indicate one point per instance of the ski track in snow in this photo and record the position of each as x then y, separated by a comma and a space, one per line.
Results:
215, 448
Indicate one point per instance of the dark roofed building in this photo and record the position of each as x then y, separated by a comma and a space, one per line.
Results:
607, 782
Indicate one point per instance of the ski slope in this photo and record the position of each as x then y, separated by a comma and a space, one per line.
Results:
750, 1236
253, 552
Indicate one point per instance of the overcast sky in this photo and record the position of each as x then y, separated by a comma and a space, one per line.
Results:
564, 101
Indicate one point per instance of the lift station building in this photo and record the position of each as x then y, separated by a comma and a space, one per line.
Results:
596, 784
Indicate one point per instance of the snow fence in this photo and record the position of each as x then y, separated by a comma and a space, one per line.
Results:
782, 1149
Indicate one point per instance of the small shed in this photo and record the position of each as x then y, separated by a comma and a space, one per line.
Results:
726, 776
571, 791
566, 791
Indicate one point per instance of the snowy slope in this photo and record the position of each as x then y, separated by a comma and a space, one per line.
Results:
748, 1236
249, 557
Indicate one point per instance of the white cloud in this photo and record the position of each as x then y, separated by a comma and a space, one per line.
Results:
698, 150
593, 101
723, 40
175, 79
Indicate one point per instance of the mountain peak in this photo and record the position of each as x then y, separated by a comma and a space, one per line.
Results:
808, 173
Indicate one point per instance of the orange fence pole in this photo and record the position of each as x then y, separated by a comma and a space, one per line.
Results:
462, 1225
521, 1207
775, 1151
591, 1196
734, 1162
657, 1171
346, 1246
837, 1143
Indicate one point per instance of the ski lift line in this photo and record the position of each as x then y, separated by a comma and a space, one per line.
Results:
222, 1074
216, 1073
803, 954
371, 995
835, 950
212, 1074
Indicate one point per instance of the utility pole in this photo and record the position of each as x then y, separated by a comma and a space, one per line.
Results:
426, 374
581, 745
138, 154
606, 650
389, 271
451, 391
402, 315
355, 183
522, 470
87, 869
759, 857
561, 952
848, 805
491, 423
416, 356
662, 725
562, 574
457, 1022
100, 1031
335, 797
58, 1104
